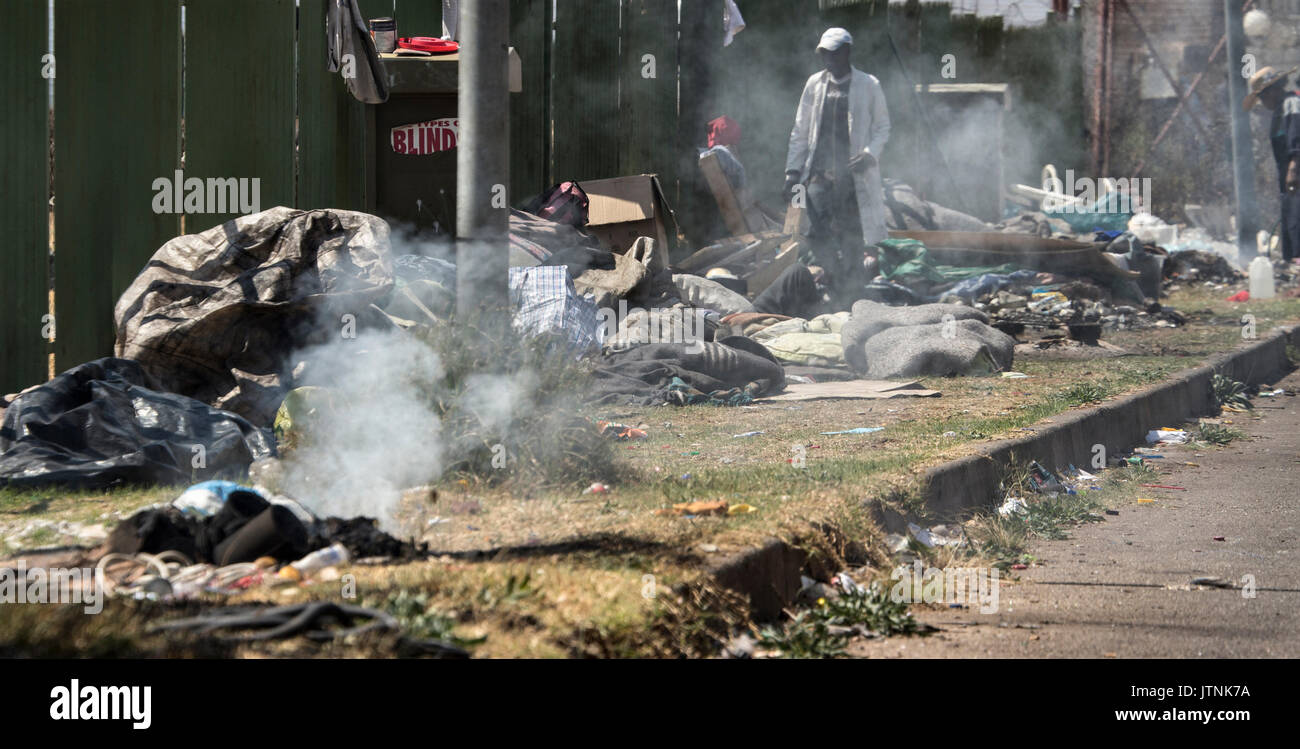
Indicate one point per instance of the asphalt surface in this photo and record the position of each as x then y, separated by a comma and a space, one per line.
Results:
1122, 588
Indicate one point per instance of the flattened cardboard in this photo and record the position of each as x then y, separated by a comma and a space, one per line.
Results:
851, 390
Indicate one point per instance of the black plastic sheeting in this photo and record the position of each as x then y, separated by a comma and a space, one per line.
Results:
101, 424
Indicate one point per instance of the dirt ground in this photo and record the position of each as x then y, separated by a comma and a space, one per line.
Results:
587, 558
1123, 588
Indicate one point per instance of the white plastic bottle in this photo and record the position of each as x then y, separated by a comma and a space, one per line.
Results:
1261, 278
320, 559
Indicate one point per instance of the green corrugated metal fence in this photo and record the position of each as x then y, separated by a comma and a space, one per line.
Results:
258, 103
24, 243
239, 99
116, 131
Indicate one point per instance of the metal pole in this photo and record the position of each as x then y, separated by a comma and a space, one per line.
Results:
483, 160
1243, 157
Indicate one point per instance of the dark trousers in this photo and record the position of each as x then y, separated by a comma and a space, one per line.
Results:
835, 236
793, 293
1290, 227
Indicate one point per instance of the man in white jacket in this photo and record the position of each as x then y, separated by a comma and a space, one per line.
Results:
839, 130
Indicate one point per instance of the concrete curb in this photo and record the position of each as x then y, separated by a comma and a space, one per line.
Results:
769, 574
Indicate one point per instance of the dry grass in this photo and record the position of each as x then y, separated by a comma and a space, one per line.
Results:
586, 555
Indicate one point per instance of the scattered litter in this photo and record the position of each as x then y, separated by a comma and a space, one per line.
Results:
1168, 436
1019, 566
1012, 505
1271, 393
622, 432
1015, 375
1044, 481
896, 543
1145, 500
939, 535
846, 583
596, 488
1220, 538
1079, 473
747, 434
320, 559
1112, 512
1162, 486
857, 430
690, 509
1240, 296
741, 509
1212, 582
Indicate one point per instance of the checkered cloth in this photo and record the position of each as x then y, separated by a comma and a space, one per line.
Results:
545, 303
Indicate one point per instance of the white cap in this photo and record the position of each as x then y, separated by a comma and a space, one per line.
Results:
835, 38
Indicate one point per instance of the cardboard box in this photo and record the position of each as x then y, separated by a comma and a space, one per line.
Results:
624, 208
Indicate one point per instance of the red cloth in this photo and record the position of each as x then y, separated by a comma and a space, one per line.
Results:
723, 132
1240, 296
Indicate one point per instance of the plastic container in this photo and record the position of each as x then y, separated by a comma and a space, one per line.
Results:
1261, 278
320, 559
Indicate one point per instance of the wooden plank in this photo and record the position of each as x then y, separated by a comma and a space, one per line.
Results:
758, 279
728, 205
116, 132
706, 257
584, 91
330, 172
24, 183
530, 31
977, 248
796, 224
239, 100
762, 246
413, 17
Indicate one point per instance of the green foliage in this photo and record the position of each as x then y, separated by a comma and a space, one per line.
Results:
1217, 434
516, 589
806, 636
1228, 392
1083, 393
870, 607
1050, 517
509, 408
823, 630
419, 619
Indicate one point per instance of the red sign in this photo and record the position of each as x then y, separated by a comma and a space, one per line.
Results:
424, 138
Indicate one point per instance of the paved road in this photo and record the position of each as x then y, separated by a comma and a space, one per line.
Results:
1120, 588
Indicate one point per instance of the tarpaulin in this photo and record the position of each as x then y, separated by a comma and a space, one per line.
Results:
216, 315
101, 423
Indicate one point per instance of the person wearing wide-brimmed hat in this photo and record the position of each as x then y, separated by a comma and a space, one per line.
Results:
1268, 87
840, 127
